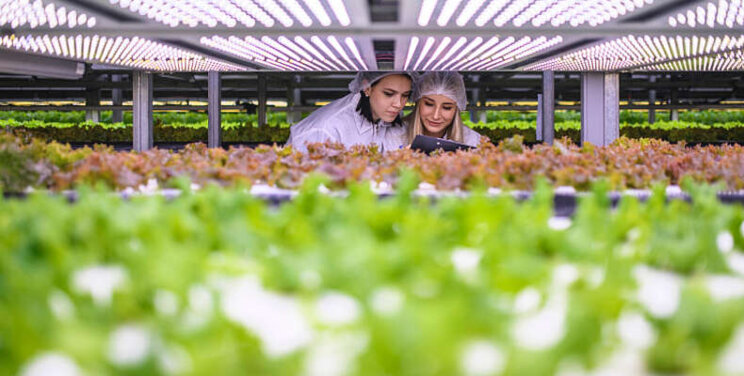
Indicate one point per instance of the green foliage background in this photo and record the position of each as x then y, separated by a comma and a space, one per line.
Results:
693, 126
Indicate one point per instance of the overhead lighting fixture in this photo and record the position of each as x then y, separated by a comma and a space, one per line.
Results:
230, 13
25, 13
426, 11
355, 51
645, 51
296, 54
474, 54
135, 52
520, 12
728, 61
714, 14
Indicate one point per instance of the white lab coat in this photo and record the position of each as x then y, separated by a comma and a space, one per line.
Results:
339, 121
470, 137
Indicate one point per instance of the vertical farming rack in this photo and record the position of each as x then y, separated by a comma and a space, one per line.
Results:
598, 39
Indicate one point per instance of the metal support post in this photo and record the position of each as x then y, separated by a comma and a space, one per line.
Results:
261, 99
92, 98
600, 108
117, 98
652, 101
539, 124
674, 114
294, 98
214, 110
475, 98
482, 115
296, 101
142, 110
548, 107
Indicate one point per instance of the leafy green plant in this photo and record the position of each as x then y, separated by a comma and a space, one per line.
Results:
220, 282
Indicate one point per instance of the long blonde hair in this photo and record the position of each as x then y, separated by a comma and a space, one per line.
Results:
415, 126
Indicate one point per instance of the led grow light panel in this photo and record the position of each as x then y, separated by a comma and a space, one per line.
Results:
248, 13
631, 52
472, 54
135, 52
17, 13
522, 12
299, 53
713, 14
732, 60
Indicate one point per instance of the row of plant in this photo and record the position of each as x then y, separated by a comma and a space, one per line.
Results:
242, 132
237, 122
509, 164
40, 118
123, 133
218, 282
708, 117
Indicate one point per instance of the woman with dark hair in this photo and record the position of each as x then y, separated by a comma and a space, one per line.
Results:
369, 115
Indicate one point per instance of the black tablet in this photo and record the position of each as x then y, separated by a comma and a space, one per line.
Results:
429, 144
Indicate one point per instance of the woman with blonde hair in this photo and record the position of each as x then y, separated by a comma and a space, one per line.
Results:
439, 97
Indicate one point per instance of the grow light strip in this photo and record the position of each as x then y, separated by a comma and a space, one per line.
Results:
721, 13
442, 45
633, 51
309, 47
340, 49
255, 51
355, 51
322, 46
519, 12
230, 13
427, 46
18, 13
292, 54
733, 60
135, 52
474, 54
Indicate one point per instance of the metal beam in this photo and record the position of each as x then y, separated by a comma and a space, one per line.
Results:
600, 110
708, 79
313, 108
359, 14
142, 110
214, 124
37, 65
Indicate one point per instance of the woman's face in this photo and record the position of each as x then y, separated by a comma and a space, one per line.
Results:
437, 113
388, 96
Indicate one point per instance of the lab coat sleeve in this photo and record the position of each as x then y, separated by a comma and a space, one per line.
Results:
471, 137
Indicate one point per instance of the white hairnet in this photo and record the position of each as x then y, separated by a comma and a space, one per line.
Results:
449, 84
365, 79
